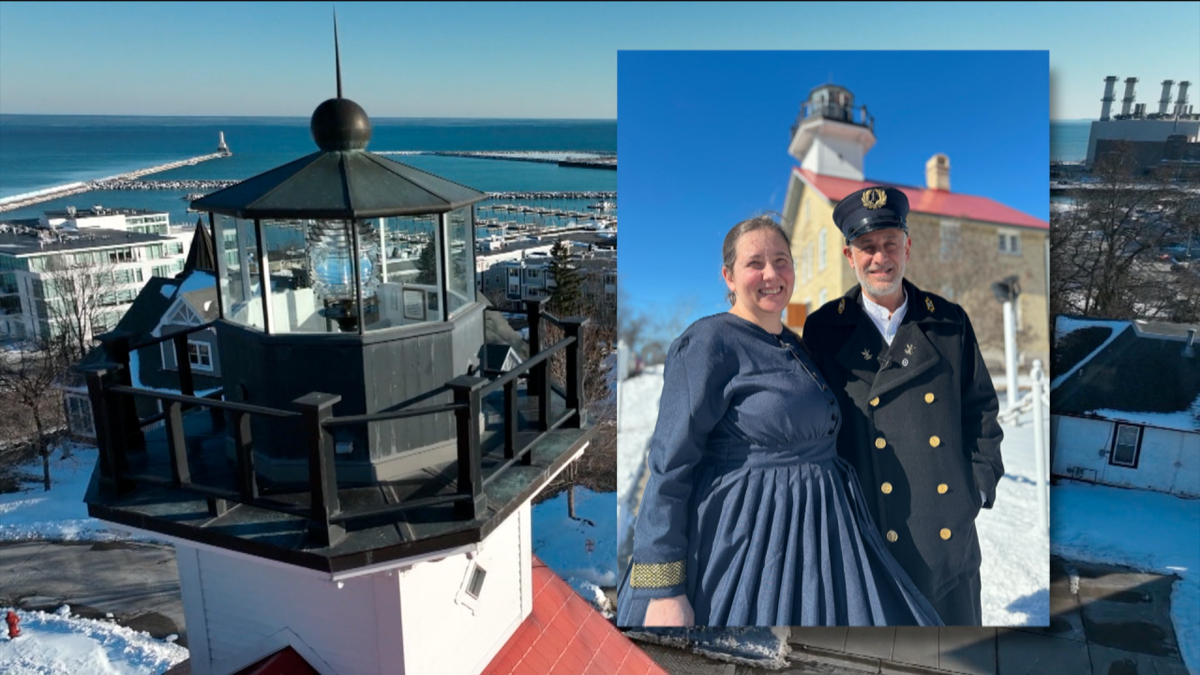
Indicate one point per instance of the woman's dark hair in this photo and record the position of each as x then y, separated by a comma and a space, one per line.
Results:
729, 249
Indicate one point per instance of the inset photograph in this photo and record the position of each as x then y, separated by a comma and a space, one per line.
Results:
833, 307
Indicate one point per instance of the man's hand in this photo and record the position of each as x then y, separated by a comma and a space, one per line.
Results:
676, 611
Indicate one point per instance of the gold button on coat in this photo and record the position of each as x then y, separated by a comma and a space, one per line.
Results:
880, 443
874, 401
942, 488
886, 488
945, 533
892, 536
929, 397
935, 441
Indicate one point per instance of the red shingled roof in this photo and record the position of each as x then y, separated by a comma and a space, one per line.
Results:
564, 634
923, 200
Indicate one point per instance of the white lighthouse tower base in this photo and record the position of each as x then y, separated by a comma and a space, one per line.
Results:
410, 616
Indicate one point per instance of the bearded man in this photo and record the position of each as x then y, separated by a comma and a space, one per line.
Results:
919, 407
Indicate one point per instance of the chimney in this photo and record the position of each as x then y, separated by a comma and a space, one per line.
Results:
1106, 103
1165, 101
1181, 99
937, 173
1127, 101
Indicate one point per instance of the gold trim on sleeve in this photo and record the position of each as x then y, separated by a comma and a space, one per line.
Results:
656, 575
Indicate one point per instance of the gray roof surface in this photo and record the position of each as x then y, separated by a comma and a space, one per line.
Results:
339, 185
1138, 372
25, 244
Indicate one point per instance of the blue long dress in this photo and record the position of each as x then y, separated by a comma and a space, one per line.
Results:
748, 509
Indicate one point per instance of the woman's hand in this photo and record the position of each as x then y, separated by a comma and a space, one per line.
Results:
676, 611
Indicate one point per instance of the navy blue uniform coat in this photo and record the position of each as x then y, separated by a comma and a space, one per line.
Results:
920, 428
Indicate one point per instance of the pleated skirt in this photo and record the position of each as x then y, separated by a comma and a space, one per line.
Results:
787, 545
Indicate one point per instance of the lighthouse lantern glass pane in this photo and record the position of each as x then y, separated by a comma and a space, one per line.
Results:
461, 258
241, 283
408, 286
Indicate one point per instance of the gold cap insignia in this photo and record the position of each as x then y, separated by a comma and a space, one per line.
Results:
929, 304
875, 198
866, 354
842, 306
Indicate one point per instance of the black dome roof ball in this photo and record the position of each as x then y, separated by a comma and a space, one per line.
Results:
340, 124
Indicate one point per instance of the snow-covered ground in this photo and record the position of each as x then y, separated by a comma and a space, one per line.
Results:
59, 514
1016, 555
1146, 530
62, 644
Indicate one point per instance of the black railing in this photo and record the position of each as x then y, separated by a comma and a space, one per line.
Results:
120, 431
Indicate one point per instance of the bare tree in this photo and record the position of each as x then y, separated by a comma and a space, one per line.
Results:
1106, 250
30, 402
75, 290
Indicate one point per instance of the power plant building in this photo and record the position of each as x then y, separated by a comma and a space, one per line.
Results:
1171, 133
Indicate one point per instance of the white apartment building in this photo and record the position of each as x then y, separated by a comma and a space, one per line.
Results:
530, 278
102, 251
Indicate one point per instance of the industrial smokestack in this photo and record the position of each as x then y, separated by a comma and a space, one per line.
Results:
1165, 101
1127, 101
1181, 99
1110, 83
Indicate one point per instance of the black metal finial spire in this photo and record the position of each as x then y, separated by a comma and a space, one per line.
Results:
340, 124
337, 55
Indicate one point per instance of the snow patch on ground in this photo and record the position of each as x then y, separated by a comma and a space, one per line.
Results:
59, 514
60, 643
581, 550
638, 399
1150, 531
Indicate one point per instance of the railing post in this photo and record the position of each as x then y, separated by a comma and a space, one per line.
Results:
322, 472
533, 316
112, 454
511, 419
466, 390
576, 355
247, 480
177, 444
183, 364
124, 408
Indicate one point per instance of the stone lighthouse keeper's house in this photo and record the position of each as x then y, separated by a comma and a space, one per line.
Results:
355, 498
962, 243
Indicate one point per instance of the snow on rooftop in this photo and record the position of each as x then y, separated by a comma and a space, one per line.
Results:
1066, 325
62, 643
1184, 420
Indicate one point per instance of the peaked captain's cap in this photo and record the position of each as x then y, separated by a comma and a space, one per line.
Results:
870, 209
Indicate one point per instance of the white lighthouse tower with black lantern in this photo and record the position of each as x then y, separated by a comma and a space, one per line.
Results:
357, 494
831, 137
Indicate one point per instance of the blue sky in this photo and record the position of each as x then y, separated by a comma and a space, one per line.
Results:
540, 60
703, 139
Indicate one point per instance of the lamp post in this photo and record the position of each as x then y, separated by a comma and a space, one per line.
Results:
1007, 290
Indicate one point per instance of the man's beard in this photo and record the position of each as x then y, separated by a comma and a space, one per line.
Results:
872, 288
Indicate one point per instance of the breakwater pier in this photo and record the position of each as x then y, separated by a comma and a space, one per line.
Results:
36, 197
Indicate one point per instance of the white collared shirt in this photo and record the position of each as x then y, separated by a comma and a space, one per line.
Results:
887, 325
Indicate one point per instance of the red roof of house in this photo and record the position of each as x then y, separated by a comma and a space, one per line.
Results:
564, 634
924, 200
